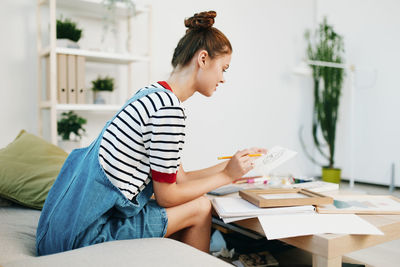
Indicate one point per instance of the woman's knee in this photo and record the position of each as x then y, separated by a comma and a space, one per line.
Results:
203, 206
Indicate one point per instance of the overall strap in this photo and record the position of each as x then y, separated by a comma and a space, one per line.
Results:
138, 95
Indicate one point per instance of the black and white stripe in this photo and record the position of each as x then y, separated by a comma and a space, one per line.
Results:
148, 134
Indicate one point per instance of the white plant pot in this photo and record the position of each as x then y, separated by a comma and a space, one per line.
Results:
67, 43
102, 97
69, 145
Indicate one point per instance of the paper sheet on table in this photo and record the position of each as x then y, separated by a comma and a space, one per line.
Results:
281, 226
234, 207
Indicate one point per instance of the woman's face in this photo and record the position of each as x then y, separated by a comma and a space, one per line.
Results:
211, 73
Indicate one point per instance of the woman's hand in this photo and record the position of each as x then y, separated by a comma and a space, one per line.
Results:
241, 163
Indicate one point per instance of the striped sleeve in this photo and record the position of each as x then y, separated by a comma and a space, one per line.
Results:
164, 138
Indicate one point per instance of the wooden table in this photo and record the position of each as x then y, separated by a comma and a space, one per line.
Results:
327, 249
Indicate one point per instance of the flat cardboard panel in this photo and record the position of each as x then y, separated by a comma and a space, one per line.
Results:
268, 198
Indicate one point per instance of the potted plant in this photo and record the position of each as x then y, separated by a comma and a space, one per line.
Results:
102, 87
70, 129
110, 15
327, 46
68, 34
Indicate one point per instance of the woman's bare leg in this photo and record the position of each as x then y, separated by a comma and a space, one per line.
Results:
191, 223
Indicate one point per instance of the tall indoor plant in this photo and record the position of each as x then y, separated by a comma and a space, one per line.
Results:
326, 46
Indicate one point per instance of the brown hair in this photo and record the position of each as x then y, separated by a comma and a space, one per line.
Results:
200, 35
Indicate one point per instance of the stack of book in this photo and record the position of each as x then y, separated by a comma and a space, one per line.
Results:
232, 209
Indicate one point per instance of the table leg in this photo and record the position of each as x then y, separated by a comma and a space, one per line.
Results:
320, 261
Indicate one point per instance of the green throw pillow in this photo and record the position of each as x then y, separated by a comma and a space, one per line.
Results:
28, 168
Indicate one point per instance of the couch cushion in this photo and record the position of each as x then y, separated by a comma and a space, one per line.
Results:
17, 248
137, 252
17, 233
28, 168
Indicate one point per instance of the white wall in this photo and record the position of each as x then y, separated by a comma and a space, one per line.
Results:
371, 32
262, 103
18, 69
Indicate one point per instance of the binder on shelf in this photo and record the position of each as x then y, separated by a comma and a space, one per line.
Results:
62, 78
71, 81
80, 79
47, 96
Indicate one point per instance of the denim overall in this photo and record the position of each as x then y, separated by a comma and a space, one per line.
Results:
83, 207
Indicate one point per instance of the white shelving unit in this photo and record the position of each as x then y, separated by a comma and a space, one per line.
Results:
87, 9
97, 56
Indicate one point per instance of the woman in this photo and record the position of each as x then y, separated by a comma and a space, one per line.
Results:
103, 191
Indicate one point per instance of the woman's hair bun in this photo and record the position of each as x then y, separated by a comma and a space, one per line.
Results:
200, 21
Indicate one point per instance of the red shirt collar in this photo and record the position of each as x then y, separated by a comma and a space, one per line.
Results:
165, 85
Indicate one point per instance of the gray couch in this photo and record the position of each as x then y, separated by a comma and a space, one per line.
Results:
17, 248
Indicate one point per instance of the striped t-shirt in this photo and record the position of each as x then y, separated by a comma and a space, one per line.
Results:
144, 141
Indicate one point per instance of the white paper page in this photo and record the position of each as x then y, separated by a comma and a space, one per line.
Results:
233, 207
281, 226
274, 157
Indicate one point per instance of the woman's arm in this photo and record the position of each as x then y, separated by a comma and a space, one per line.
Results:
174, 194
183, 176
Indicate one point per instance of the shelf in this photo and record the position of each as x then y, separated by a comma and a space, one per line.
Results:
97, 56
85, 11
88, 107
81, 107
95, 8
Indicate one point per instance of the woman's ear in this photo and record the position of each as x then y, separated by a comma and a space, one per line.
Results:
202, 58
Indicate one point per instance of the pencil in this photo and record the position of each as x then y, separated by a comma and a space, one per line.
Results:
250, 155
